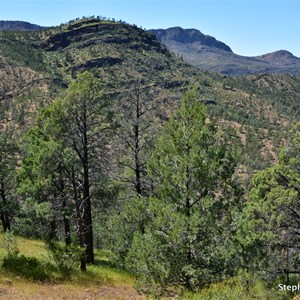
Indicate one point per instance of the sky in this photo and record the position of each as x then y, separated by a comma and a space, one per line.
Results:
249, 27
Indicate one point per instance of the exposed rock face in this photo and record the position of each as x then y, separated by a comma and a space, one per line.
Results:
94, 32
188, 36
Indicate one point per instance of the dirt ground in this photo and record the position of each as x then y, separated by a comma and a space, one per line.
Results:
33, 291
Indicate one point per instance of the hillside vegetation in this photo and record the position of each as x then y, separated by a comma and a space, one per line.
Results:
40, 64
118, 155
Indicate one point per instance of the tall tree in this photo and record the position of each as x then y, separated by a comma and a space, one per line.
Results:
139, 105
188, 237
137, 119
42, 175
87, 120
65, 155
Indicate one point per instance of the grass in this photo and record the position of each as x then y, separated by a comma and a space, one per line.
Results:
101, 281
35, 275
102, 272
244, 286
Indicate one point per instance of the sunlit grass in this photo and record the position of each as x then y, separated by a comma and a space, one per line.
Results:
101, 273
244, 286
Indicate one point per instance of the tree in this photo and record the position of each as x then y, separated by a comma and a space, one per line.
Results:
65, 156
188, 238
42, 176
273, 214
138, 110
8, 149
87, 120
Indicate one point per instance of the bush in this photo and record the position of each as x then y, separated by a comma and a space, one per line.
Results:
10, 244
64, 261
245, 286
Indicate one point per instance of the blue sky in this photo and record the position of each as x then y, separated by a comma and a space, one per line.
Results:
249, 27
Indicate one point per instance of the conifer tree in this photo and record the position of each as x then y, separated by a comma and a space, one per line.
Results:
271, 229
188, 238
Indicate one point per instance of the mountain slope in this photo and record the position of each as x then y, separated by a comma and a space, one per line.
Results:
35, 67
207, 53
189, 36
18, 25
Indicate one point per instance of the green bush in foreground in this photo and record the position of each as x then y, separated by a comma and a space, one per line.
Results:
244, 286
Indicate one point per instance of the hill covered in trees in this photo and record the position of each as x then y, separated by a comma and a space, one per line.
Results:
108, 140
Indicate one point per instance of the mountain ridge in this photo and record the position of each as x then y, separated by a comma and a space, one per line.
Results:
10, 25
207, 53
197, 49
189, 36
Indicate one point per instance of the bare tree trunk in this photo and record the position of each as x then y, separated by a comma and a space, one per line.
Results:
66, 220
67, 228
80, 230
87, 213
87, 219
4, 215
52, 230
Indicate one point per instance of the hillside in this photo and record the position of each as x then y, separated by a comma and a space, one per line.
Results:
206, 53
107, 155
18, 26
43, 279
36, 66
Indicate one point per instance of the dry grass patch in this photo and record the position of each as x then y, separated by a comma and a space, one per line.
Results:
19, 290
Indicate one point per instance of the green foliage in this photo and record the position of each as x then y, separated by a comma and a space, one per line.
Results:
23, 52
188, 236
33, 219
62, 259
245, 286
8, 203
272, 214
124, 224
10, 244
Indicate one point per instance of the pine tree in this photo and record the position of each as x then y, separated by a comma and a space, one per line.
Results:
188, 238
273, 214
66, 152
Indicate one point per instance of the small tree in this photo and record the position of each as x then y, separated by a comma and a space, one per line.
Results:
188, 237
273, 214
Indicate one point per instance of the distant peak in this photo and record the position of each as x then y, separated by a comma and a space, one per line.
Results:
280, 54
18, 25
188, 36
